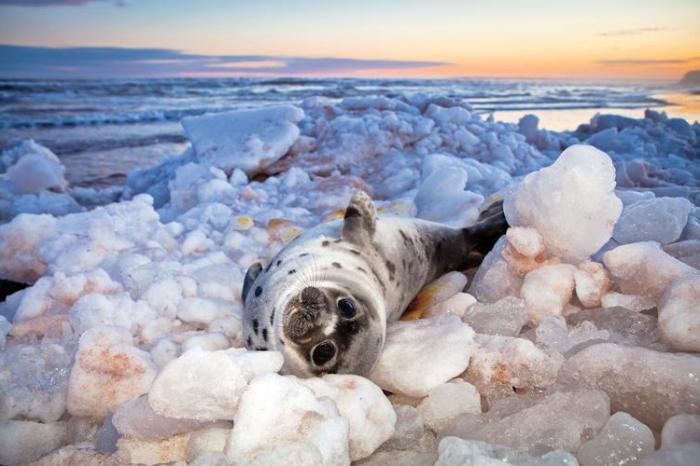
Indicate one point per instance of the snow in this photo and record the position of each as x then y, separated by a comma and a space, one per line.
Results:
126, 346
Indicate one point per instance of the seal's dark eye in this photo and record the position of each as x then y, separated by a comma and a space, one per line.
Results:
346, 308
323, 352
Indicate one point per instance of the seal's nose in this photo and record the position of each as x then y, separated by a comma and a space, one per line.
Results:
311, 296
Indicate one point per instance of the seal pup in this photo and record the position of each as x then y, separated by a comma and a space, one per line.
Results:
325, 299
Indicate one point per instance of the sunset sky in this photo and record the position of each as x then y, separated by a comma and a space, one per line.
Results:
440, 38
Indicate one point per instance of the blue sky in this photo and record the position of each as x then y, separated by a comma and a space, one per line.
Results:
539, 38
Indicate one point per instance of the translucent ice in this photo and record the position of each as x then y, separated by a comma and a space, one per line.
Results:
649, 385
454, 450
504, 317
680, 429
24, 441
658, 219
560, 420
549, 200
495, 280
622, 440
447, 401
679, 314
136, 419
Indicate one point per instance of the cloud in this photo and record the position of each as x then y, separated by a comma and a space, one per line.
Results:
632, 32
623, 62
47, 62
39, 3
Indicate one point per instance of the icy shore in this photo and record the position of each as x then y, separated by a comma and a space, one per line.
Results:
575, 342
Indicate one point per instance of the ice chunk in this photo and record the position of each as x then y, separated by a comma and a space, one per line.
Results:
644, 268
20, 260
370, 414
680, 429
448, 401
513, 362
5, 327
211, 438
504, 317
441, 196
436, 292
456, 305
151, 452
399, 458
24, 441
560, 420
679, 314
527, 241
36, 169
622, 440
204, 311
623, 326
420, 355
34, 381
207, 385
250, 140
649, 385
549, 200
633, 302
136, 419
687, 251
71, 454
277, 411
554, 333
410, 433
206, 341
494, 280
658, 219
108, 371
547, 289
592, 282
455, 450
679, 455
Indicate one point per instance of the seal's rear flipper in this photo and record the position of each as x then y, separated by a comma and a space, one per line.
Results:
491, 225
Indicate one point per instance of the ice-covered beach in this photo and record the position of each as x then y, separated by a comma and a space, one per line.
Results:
575, 341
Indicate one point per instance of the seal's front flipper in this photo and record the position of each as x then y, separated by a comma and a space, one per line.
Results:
250, 276
492, 225
360, 219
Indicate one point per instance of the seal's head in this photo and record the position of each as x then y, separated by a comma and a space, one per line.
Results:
333, 324
328, 329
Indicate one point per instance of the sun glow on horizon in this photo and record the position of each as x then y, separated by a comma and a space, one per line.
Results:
642, 39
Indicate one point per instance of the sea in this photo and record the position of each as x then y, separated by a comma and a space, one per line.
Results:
102, 129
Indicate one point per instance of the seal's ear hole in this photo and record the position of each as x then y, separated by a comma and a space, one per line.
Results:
323, 352
347, 308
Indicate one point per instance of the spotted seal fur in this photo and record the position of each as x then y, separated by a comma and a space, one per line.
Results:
325, 299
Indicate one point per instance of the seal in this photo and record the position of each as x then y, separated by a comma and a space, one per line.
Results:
325, 299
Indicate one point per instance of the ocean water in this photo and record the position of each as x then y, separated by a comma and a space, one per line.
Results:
102, 129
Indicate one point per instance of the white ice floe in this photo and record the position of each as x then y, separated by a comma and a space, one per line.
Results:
247, 139
125, 346
577, 221
420, 355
